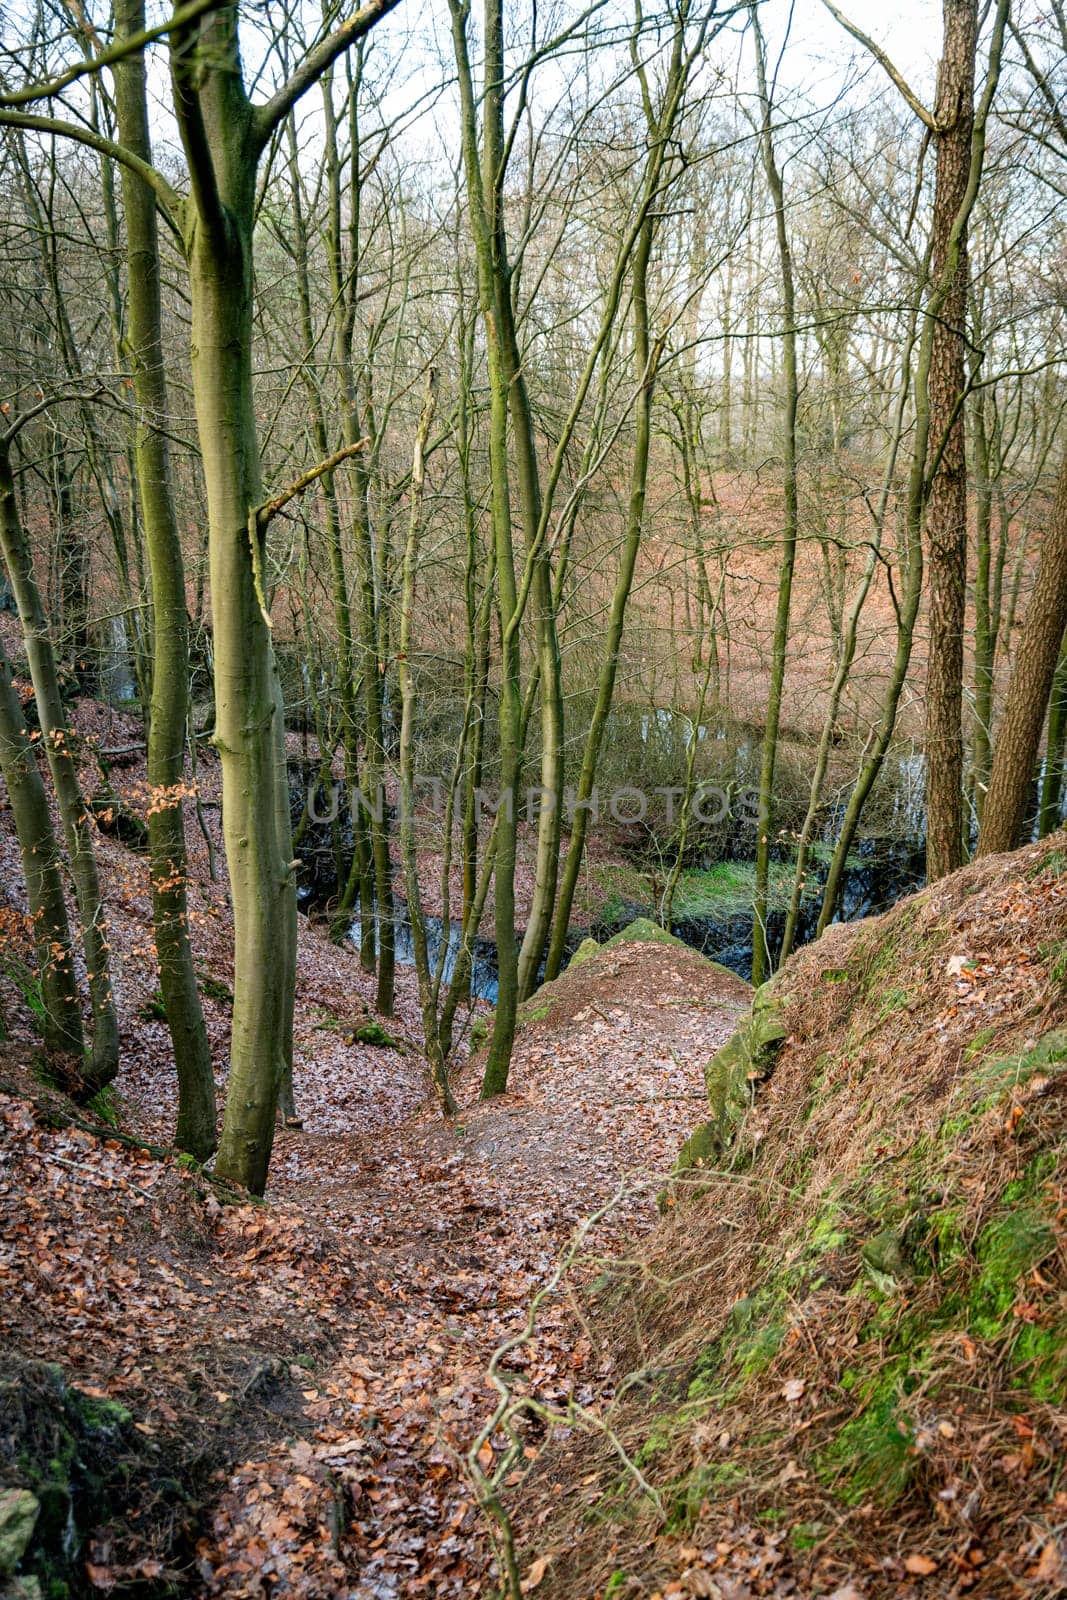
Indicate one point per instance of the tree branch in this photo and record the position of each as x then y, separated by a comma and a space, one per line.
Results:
259, 517
169, 200
270, 508
883, 60
267, 116
1059, 121
47, 88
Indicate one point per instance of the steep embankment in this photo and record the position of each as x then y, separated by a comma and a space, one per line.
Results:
841, 1361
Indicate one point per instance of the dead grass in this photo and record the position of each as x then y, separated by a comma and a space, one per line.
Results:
842, 1359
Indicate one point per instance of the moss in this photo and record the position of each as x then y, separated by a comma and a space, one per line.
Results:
536, 1010
101, 1415
701, 1149
894, 1000
978, 1043
642, 931
727, 889
1008, 1247
215, 989
585, 952
1039, 1361
731, 1076
104, 1105
805, 1535
372, 1033
871, 1456
751, 1339
1048, 1054
707, 1482
945, 1239
154, 1008
825, 1232
615, 1585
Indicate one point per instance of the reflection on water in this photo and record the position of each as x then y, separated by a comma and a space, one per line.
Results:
886, 861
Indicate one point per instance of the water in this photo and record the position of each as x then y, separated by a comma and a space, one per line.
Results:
117, 683
484, 966
885, 862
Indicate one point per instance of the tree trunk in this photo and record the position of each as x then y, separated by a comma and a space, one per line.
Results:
765, 820
77, 827
217, 133
44, 883
1019, 730
1052, 782
946, 512
170, 640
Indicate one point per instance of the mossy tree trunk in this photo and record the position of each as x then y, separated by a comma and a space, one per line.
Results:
39, 850
170, 638
103, 1061
224, 137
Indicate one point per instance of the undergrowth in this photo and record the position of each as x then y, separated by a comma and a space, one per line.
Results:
857, 1314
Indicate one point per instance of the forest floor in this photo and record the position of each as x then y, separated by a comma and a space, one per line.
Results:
299, 1381
839, 1368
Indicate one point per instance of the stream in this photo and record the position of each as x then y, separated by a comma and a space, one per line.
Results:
886, 862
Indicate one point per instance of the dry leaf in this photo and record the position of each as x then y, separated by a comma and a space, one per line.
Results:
535, 1574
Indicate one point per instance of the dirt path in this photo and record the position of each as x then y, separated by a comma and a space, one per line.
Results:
465, 1223
332, 1347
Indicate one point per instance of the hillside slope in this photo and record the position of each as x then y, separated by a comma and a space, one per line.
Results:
222, 1399
841, 1361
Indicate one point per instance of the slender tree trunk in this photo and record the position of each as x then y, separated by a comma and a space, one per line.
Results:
644, 364
427, 988
946, 513
984, 626
483, 198
40, 869
170, 641
77, 826
790, 397
1052, 782
216, 122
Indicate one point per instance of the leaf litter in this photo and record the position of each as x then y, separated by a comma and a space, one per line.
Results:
312, 1369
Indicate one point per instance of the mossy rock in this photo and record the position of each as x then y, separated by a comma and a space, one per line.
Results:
373, 1033
71, 1459
642, 930
746, 1060
585, 952
18, 1516
733, 1074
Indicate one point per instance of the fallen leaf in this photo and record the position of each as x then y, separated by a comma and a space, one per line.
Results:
535, 1574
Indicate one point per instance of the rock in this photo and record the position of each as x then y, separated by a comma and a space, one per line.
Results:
585, 952
28, 1588
733, 1074
18, 1517
373, 1033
